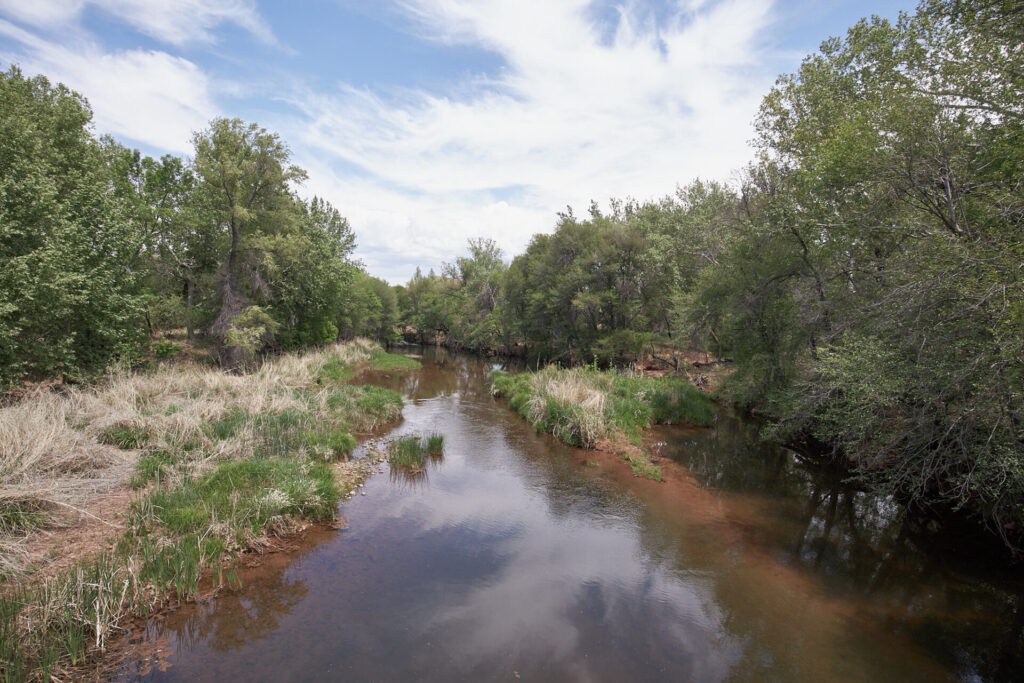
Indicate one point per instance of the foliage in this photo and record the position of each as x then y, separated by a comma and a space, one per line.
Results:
69, 300
464, 305
869, 301
863, 275
101, 244
249, 331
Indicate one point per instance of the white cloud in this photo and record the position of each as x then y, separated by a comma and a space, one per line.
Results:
176, 22
576, 114
152, 98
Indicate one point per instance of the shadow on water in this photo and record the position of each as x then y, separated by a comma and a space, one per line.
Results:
515, 556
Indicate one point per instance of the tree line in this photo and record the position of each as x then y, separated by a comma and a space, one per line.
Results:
865, 274
101, 247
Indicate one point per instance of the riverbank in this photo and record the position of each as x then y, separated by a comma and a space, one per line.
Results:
603, 410
746, 563
118, 498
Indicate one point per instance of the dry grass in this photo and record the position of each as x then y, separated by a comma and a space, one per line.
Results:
585, 395
226, 463
59, 451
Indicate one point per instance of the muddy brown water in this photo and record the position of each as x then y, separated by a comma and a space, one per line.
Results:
515, 557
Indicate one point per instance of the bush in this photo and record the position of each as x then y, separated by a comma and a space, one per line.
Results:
165, 348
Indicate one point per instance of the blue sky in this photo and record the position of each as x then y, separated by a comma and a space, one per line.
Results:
428, 122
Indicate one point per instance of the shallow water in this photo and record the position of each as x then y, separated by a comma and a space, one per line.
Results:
514, 556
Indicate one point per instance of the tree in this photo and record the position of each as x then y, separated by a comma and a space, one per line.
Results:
175, 248
69, 301
244, 177
306, 267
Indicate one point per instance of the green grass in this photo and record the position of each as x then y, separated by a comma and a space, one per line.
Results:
382, 360
369, 405
581, 406
407, 451
335, 370
435, 443
152, 466
337, 443
241, 496
126, 436
175, 535
286, 432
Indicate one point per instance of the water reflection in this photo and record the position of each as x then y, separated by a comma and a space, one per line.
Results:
863, 548
407, 478
231, 620
517, 556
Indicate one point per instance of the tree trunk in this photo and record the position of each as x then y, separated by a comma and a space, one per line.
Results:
231, 303
190, 293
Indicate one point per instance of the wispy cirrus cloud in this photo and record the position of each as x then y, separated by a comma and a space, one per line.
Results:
149, 97
177, 23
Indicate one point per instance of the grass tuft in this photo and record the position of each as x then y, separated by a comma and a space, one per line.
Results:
435, 443
407, 451
126, 436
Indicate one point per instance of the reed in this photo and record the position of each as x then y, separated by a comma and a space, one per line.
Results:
408, 451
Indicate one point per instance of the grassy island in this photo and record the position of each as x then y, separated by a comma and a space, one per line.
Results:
603, 410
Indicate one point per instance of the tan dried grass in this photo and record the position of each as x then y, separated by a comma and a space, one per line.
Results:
52, 456
582, 394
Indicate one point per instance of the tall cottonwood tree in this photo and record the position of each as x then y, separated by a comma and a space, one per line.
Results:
244, 179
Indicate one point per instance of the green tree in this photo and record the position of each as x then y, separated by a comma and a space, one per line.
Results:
69, 300
176, 249
244, 176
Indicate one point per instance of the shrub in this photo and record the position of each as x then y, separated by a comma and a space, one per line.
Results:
165, 348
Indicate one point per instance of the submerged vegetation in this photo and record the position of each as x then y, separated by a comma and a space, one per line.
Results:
589, 408
222, 463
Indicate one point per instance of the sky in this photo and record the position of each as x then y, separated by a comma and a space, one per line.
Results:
430, 122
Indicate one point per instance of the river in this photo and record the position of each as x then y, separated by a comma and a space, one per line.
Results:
515, 557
